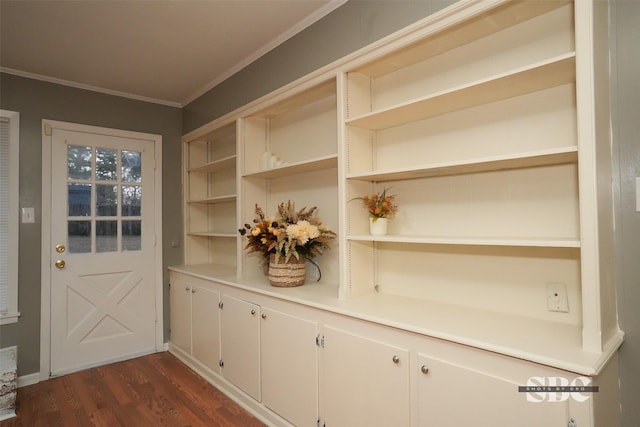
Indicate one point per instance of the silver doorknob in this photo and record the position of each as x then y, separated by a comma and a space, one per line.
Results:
60, 263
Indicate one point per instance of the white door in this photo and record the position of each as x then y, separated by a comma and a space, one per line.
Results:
240, 336
365, 382
103, 302
289, 366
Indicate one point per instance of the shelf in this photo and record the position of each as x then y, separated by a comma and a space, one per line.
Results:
487, 164
216, 166
472, 241
487, 23
320, 163
306, 97
211, 234
542, 75
214, 200
547, 342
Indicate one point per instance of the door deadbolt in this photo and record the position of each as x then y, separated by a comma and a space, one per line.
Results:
60, 248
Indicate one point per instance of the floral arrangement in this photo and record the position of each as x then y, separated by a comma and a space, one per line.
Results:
380, 205
289, 233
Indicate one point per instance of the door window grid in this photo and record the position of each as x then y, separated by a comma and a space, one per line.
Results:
98, 201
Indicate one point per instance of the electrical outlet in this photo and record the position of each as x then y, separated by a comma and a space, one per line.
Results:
557, 299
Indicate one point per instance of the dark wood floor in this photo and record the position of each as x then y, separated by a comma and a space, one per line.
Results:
154, 390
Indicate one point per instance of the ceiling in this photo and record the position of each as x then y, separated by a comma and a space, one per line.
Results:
164, 51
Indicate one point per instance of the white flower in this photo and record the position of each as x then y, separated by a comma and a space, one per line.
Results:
302, 232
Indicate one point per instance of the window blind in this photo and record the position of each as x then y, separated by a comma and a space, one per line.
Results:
4, 214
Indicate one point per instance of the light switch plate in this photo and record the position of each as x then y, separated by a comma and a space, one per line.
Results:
28, 215
638, 194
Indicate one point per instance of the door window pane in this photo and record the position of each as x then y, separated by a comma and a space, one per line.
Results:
106, 164
106, 200
106, 236
79, 237
131, 235
79, 199
131, 166
131, 200
79, 162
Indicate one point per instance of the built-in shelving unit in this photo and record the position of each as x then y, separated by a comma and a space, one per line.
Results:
482, 121
211, 197
299, 131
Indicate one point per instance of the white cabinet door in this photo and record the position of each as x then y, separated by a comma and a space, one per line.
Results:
180, 299
289, 367
240, 326
364, 382
205, 323
451, 395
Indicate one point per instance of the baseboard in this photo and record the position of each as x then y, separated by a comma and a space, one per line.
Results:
30, 379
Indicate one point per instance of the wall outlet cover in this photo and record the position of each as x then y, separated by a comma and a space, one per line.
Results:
557, 299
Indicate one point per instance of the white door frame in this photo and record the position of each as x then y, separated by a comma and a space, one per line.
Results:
45, 304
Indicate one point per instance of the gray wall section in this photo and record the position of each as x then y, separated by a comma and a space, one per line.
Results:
36, 100
350, 27
625, 87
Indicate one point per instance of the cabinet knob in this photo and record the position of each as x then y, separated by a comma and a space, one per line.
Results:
193, 290
424, 369
187, 288
253, 312
396, 359
264, 315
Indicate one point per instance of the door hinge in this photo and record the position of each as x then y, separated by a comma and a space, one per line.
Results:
572, 423
221, 363
220, 305
320, 340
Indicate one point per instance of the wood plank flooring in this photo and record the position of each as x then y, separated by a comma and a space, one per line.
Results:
153, 390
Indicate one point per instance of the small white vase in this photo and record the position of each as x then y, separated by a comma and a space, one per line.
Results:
378, 226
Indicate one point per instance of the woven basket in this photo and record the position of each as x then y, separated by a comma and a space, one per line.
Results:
289, 274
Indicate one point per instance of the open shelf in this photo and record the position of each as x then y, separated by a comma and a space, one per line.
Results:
494, 163
542, 75
472, 241
211, 234
547, 342
214, 200
216, 166
449, 38
303, 98
321, 163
